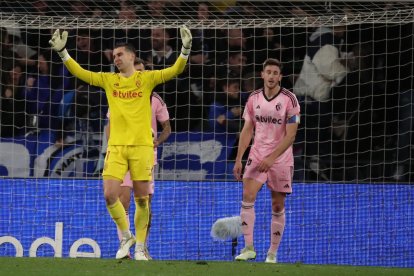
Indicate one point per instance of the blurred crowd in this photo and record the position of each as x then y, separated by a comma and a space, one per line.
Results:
363, 115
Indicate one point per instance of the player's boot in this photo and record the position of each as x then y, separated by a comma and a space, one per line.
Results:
147, 253
246, 254
139, 254
271, 258
124, 247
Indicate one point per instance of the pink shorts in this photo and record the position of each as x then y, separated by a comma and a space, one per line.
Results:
278, 177
128, 182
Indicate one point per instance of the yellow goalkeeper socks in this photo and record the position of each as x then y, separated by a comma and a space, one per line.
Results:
141, 218
118, 214
149, 222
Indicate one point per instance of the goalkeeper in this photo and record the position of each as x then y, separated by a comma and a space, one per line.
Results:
130, 145
159, 114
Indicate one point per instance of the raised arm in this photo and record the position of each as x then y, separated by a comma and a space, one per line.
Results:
58, 44
167, 74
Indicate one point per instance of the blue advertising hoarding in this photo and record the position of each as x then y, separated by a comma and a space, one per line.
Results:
350, 224
184, 156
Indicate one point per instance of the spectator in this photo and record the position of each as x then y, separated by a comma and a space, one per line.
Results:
225, 113
156, 10
83, 116
88, 55
6, 54
323, 68
13, 51
37, 39
400, 80
40, 7
278, 43
234, 64
175, 92
78, 8
139, 38
12, 106
41, 102
251, 82
87, 52
352, 103
226, 110
201, 65
229, 40
203, 39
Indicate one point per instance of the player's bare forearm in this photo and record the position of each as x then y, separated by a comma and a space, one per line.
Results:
107, 130
244, 140
165, 133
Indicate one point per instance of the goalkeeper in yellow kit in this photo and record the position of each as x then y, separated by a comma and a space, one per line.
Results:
130, 146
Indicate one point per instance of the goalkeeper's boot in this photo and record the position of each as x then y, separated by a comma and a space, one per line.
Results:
124, 247
140, 254
147, 253
271, 258
246, 254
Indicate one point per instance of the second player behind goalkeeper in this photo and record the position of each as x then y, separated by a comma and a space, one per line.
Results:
130, 145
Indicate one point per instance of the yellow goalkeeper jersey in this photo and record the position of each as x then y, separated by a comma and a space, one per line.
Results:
128, 99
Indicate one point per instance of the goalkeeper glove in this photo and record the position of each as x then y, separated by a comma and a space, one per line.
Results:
58, 44
186, 40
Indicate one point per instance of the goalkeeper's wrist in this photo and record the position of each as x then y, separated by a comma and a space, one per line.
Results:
185, 51
64, 55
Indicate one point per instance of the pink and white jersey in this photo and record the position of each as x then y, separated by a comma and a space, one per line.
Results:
159, 114
270, 117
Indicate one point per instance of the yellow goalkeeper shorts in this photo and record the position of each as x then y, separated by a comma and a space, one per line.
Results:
139, 160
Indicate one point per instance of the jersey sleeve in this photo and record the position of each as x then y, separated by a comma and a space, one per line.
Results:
293, 110
93, 78
248, 110
164, 75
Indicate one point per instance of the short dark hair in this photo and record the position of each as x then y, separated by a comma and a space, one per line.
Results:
228, 81
139, 61
272, 61
129, 47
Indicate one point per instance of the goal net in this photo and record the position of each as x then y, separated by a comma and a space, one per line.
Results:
356, 124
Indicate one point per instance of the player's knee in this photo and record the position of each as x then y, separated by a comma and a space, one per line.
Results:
142, 202
249, 197
278, 207
126, 204
125, 200
110, 198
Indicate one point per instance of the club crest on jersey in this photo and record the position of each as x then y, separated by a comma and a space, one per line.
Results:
278, 106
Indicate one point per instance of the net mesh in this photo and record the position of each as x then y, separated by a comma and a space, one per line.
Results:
362, 134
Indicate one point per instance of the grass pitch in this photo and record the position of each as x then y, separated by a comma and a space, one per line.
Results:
66, 266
